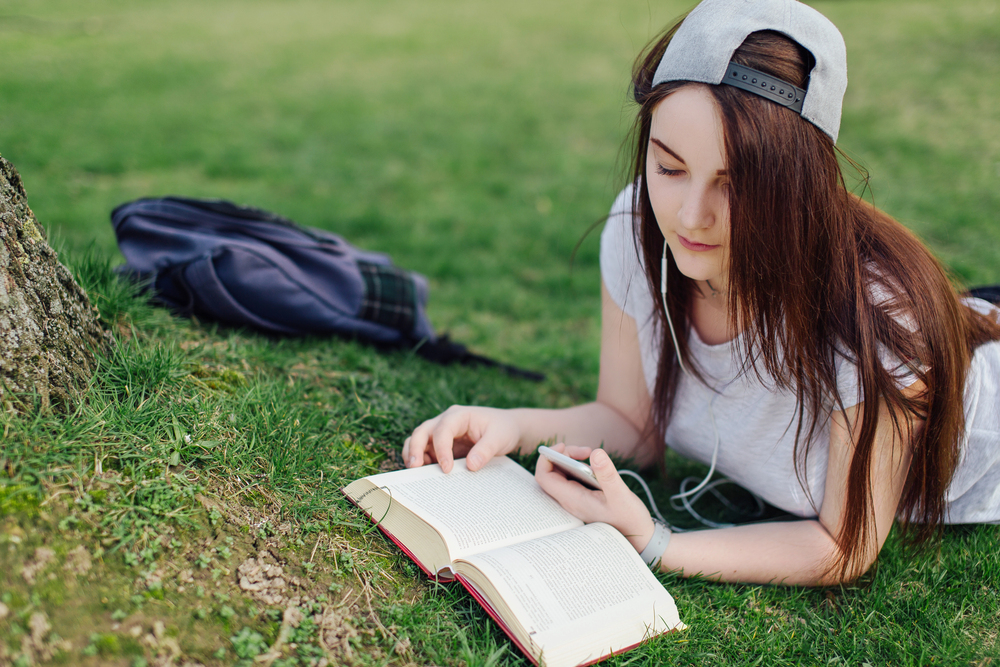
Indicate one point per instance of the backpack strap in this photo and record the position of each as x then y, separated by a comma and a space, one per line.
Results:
443, 351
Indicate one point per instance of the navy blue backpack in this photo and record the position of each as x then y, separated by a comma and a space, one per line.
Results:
244, 266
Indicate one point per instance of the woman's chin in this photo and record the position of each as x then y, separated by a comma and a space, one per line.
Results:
700, 274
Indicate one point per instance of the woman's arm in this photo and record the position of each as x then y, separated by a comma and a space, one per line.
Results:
802, 552
796, 552
616, 420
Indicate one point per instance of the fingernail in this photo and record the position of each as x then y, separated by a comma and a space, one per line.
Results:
472, 461
413, 461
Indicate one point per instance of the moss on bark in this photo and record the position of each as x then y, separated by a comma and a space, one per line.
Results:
48, 330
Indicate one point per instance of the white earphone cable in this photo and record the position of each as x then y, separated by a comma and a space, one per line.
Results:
686, 498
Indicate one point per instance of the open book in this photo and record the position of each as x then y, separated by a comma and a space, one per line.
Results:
566, 593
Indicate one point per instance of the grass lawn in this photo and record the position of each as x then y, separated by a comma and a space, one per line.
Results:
190, 512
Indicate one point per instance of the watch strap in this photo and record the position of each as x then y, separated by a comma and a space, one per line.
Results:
653, 552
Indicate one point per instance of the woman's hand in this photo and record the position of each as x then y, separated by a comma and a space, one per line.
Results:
614, 504
478, 434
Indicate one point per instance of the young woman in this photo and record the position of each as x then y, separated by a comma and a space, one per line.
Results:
757, 314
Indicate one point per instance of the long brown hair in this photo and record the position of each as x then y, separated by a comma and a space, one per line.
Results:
845, 281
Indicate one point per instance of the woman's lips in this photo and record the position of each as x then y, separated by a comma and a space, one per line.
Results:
694, 245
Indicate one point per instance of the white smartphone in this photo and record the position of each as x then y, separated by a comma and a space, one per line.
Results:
577, 470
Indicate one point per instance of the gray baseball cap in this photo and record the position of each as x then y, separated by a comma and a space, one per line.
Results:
704, 44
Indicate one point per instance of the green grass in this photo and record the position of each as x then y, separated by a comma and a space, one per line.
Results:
475, 142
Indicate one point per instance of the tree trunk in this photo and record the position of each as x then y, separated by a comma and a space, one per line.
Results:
48, 329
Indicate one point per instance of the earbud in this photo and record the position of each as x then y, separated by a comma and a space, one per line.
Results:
663, 275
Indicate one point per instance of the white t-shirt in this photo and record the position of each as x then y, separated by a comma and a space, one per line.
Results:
757, 421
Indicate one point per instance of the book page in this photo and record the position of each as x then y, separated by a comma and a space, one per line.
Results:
586, 589
497, 505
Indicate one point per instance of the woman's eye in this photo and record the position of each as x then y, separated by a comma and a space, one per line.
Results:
664, 171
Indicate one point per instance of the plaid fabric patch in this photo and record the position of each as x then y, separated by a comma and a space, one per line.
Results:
390, 296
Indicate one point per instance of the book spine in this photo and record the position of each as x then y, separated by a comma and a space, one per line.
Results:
442, 576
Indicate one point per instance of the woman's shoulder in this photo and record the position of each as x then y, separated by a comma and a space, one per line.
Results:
621, 227
623, 205
622, 266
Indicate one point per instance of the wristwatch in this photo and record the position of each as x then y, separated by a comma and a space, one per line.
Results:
657, 544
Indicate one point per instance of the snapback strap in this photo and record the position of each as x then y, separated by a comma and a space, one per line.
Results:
765, 85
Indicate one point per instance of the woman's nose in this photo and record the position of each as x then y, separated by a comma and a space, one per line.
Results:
698, 210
